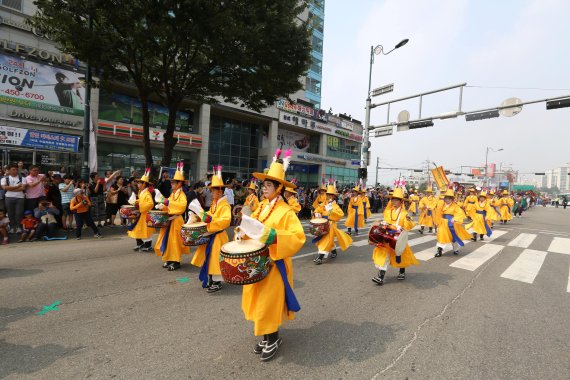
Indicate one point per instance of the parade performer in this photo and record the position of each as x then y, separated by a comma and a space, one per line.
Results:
267, 302
449, 221
414, 202
494, 202
331, 211
355, 217
321, 197
397, 219
217, 219
482, 214
290, 197
470, 201
427, 207
252, 201
143, 202
365, 204
505, 204
169, 245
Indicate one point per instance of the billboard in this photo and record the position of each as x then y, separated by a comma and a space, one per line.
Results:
38, 139
33, 85
293, 140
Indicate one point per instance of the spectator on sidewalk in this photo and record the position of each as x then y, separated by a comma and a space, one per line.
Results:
80, 204
46, 213
123, 195
4, 226
97, 200
15, 185
164, 185
21, 170
34, 188
66, 191
29, 226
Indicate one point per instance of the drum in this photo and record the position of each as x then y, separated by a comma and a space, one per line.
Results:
244, 262
397, 240
319, 227
193, 234
129, 212
156, 219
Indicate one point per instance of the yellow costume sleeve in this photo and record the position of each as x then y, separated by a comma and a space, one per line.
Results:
294, 204
335, 214
176, 204
290, 236
145, 202
221, 219
458, 214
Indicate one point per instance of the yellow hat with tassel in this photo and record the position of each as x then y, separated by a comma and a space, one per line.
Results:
277, 169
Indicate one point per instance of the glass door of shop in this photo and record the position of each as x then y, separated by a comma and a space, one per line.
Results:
11, 155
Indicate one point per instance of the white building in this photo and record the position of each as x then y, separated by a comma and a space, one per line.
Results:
558, 178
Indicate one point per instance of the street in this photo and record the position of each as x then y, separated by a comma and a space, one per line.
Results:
499, 310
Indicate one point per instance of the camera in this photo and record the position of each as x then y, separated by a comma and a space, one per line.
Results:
84, 202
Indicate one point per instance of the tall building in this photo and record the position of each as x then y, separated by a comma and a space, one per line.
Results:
558, 177
42, 109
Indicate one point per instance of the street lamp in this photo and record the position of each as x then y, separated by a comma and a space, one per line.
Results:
486, 159
374, 50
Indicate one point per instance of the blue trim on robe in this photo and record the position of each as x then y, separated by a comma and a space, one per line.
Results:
290, 299
203, 276
487, 228
452, 229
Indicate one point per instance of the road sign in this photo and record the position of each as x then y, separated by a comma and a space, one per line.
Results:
382, 90
384, 131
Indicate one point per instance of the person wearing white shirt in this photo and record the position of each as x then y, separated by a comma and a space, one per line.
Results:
229, 194
14, 184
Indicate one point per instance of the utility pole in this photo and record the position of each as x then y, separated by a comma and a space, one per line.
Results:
377, 164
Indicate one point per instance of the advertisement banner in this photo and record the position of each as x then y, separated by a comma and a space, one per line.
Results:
43, 87
38, 139
491, 170
293, 140
329, 129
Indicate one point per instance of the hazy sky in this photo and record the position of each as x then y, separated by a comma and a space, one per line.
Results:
514, 44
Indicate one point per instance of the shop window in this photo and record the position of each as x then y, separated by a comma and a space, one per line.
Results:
14, 4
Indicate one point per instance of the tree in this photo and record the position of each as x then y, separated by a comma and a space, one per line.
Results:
248, 52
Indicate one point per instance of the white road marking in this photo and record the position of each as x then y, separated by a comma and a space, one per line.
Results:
421, 240
522, 241
493, 236
568, 287
360, 243
426, 254
478, 257
560, 245
526, 266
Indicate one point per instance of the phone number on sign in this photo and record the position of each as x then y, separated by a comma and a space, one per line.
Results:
28, 95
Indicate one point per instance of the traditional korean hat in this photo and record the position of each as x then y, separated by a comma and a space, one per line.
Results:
398, 193
331, 188
429, 189
292, 189
217, 181
277, 169
505, 192
449, 193
483, 194
472, 189
179, 174
356, 189
146, 176
252, 185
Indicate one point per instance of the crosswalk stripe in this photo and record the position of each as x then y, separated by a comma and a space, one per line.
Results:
421, 240
560, 245
494, 235
568, 287
360, 243
478, 257
522, 241
526, 266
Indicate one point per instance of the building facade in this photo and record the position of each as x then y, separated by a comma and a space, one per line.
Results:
558, 177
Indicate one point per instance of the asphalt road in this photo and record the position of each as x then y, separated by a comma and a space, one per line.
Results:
122, 315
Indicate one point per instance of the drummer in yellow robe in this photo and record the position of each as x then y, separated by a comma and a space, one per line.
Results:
494, 202
270, 300
396, 218
169, 244
252, 201
290, 195
365, 204
505, 205
427, 207
470, 201
321, 197
144, 203
217, 219
414, 203
355, 217
481, 215
326, 243
449, 221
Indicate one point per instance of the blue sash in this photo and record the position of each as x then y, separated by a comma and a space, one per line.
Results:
203, 276
134, 223
452, 229
428, 212
290, 299
484, 213
165, 238
355, 218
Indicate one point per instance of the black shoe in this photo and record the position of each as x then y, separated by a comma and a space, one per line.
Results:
147, 247
439, 252
349, 232
270, 350
333, 253
456, 252
401, 276
166, 264
474, 238
421, 231
258, 349
378, 280
318, 261
216, 286
430, 230
137, 248
481, 237
173, 266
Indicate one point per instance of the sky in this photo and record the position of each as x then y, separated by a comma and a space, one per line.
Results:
522, 47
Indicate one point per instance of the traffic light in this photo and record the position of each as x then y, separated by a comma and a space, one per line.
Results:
560, 103
362, 173
481, 115
421, 124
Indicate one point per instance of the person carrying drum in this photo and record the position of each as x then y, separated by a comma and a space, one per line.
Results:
482, 214
217, 219
505, 204
427, 207
144, 203
450, 230
365, 204
290, 195
355, 217
169, 244
331, 211
396, 221
252, 201
321, 197
270, 300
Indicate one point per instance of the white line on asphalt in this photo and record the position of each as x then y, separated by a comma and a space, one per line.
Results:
421, 240
526, 266
568, 287
522, 241
560, 245
493, 236
478, 257
544, 231
360, 243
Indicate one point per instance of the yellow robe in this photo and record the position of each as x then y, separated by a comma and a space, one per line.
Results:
414, 204
294, 204
478, 224
221, 214
505, 206
321, 199
326, 242
365, 206
427, 207
264, 302
383, 250
252, 202
443, 232
141, 231
355, 208
174, 248
469, 204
